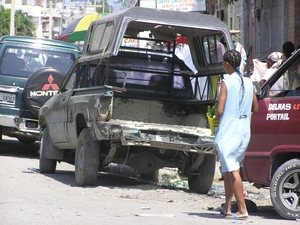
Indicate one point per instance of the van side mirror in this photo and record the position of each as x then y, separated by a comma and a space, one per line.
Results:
257, 88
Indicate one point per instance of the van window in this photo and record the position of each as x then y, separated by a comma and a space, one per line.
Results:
288, 84
294, 75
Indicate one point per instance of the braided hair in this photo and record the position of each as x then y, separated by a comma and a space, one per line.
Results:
234, 58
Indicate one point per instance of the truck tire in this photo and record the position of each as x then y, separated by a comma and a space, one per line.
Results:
153, 176
284, 189
201, 183
46, 165
86, 159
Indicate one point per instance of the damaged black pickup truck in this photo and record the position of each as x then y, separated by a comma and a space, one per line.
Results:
138, 96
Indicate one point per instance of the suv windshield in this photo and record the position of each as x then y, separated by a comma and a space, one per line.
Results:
20, 61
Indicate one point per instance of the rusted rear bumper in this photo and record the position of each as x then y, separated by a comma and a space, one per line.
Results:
175, 137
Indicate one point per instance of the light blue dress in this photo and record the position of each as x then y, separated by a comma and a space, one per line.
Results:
233, 135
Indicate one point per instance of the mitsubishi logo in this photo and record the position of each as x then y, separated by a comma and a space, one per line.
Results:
53, 86
46, 90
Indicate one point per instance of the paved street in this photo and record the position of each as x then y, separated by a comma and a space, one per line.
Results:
28, 197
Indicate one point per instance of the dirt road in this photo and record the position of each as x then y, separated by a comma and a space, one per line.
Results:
28, 197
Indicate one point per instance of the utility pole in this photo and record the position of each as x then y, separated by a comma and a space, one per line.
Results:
102, 6
50, 19
12, 18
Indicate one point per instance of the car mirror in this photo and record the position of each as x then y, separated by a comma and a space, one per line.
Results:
257, 88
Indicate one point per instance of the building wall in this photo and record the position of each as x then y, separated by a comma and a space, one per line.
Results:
269, 32
61, 14
293, 20
279, 22
264, 24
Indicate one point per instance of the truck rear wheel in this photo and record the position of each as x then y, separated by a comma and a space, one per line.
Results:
86, 159
46, 165
284, 189
201, 183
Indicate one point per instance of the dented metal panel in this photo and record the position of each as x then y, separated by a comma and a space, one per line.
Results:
176, 137
148, 111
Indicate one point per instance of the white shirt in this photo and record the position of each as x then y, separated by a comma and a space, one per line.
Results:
278, 86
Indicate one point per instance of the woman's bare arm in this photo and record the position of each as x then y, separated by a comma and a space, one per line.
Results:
222, 100
255, 107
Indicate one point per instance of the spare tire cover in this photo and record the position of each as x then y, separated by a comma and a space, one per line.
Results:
40, 87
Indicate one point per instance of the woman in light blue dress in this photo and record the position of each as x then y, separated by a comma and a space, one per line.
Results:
236, 101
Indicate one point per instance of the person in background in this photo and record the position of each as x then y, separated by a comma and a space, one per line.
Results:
259, 69
236, 101
239, 47
273, 62
287, 49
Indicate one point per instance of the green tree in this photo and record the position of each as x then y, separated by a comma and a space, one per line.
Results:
4, 21
23, 26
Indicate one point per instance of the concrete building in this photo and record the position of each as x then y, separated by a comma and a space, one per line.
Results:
50, 16
43, 14
271, 23
264, 25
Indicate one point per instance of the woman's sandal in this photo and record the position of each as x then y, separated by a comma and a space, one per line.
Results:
222, 212
233, 216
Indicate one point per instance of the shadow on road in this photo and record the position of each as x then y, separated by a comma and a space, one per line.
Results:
108, 180
266, 212
12, 147
105, 180
67, 177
